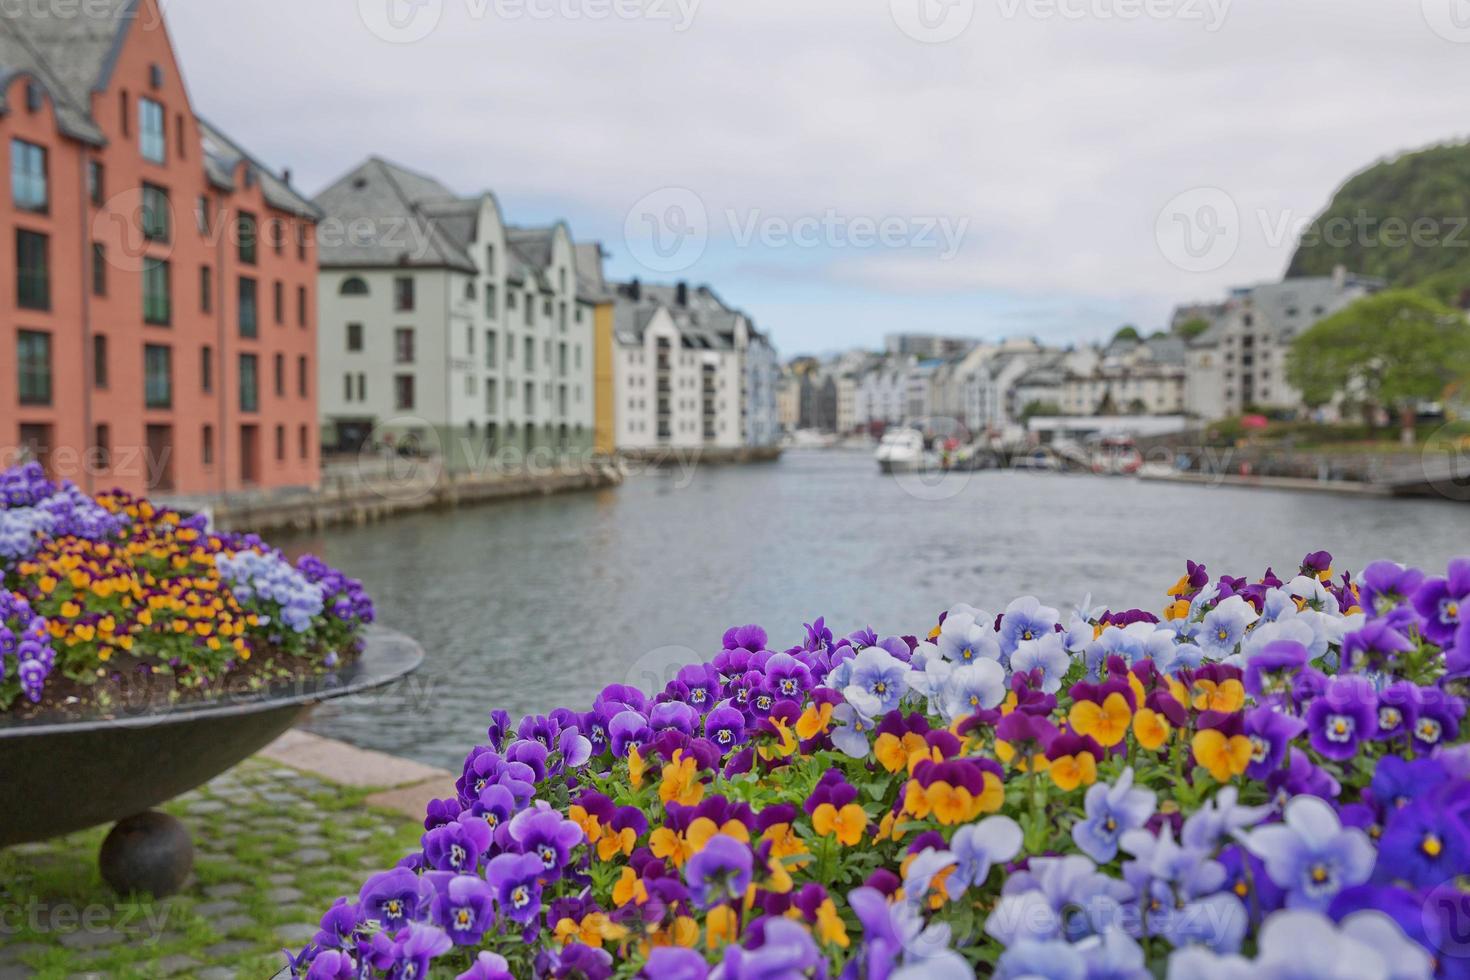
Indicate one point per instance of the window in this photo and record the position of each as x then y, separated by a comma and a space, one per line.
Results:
206, 445
158, 383
99, 269
102, 445
34, 350
301, 375
155, 213
248, 238
96, 182
469, 289
469, 339
28, 176
99, 360
403, 294
530, 399
303, 442
249, 384
530, 354
278, 302
361, 387
403, 345
201, 214
354, 336
492, 395
471, 385
489, 260
530, 310
206, 368
125, 114
32, 270
492, 344
206, 289
403, 391
353, 286
154, 141
179, 138
510, 347
280, 443
492, 301
278, 236
249, 322
156, 295
301, 306
347, 387
280, 375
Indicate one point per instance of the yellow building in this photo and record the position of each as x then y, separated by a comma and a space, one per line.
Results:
593, 293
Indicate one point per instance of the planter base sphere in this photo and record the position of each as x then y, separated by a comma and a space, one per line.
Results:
147, 854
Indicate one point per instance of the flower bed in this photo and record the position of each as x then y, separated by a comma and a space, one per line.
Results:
1267, 781
111, 602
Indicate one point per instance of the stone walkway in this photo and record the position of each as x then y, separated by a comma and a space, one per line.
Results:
277, 840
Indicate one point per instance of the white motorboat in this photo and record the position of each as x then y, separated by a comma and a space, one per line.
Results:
902, 451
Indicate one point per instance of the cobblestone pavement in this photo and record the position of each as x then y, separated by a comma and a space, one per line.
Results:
273, 849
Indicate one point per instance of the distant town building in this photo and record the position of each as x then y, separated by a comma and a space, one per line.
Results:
927, 346
690, 371
1128, 377
595, 291
1239, 363
161, 333
441, 324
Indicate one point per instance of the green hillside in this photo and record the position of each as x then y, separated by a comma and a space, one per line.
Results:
1370, 226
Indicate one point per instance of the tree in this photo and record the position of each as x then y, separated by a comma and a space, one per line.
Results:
1126, 332
1393, 350
1192, 327
1041, 409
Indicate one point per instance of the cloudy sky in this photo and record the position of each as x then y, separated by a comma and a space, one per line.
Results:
848, 168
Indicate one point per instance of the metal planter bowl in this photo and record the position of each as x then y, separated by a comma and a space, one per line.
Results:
62, 774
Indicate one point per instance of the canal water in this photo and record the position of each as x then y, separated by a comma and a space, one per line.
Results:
533, 604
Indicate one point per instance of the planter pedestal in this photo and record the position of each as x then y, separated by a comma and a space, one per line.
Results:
65, 773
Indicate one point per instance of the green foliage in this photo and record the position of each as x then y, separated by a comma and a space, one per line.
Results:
1127, 332
1402, 220
1390, 349
1039, 408
1192, 328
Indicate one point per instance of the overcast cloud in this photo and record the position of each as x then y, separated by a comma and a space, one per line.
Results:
839, 178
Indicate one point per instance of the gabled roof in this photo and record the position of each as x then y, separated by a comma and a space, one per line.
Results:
1290, 306
591, 284
223, 156
71, 54
388, 216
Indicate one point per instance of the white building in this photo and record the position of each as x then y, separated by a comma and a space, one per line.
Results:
1240, 361
1128, 377
690, 372
439, 322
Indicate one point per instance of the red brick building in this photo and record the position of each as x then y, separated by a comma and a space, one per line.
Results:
157, 283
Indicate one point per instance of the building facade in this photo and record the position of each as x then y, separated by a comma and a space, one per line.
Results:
446, 328
1239, 363
160, 331
661, 334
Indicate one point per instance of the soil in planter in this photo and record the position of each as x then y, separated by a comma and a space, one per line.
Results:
140, 688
